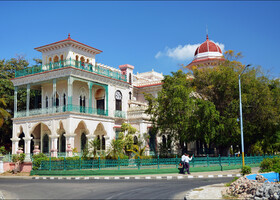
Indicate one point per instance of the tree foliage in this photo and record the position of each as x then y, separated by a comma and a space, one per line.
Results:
206, 107
7, 72
172, 109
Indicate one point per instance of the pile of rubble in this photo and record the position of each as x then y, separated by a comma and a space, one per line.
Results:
254, 189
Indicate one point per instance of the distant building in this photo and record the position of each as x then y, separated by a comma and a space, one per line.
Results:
208, 54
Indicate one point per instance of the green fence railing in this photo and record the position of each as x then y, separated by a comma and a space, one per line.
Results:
61, 109
98, 69
70, 164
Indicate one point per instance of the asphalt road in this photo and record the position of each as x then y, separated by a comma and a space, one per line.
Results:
102, 189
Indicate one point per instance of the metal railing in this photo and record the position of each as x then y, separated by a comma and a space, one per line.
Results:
79, 163
71, 63
61, 109
120, 114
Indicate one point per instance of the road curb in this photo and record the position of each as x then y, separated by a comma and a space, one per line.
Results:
179, 177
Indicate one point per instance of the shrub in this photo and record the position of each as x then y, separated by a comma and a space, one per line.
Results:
246, 170
18, 157
2, 150
270, 164
37, 159
73, 158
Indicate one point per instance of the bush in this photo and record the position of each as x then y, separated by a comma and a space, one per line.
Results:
18, 157
73, 158
246, 170
270, 164
2, 150
37, 159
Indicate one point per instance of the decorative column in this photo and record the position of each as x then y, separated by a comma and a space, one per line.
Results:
27, 99
27, 141
54, 145
69, 92
107, 143
36, 146
54, 96
14, 145
70, 141
15, 102
89, 139
90, 97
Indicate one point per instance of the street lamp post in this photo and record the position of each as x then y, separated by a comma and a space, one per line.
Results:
241, 120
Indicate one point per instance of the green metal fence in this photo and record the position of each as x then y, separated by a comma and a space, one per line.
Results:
70, 164
98, 69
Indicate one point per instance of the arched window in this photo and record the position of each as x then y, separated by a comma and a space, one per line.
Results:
56, 100
169, 142
152, 141
82, 104
77, 61
135, 140
118, 96
62, 142
164, 141
55, 61
46, 143
64, 102
83, 141
130, 95
82, 62
47, 102
62, 61
103, 143
100, 101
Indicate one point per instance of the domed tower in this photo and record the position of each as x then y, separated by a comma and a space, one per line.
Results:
208, 54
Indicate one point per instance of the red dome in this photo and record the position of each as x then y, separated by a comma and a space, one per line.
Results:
207, 46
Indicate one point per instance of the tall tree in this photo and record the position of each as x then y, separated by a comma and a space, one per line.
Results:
171, 110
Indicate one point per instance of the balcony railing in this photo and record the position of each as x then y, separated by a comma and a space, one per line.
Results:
71, 63
120, 114
61, 109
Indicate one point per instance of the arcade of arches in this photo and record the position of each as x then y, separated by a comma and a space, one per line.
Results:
56, 143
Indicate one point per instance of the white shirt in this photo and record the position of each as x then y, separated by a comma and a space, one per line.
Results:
186, 159
183, 158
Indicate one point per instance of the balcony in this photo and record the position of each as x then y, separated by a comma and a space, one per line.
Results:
120, 114
71, 63
62, 109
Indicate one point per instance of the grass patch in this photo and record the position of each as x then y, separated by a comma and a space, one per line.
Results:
198, 189
234, 179
126, 172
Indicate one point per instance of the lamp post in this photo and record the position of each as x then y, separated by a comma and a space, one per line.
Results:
241, 120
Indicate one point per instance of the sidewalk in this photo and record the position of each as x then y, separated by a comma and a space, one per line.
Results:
211, 174
210, 191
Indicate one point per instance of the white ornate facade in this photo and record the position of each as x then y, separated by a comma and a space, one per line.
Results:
78, 99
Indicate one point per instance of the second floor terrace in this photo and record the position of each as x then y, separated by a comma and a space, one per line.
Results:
97, 68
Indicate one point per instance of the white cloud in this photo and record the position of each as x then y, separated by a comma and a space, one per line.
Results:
182, 52
222, 46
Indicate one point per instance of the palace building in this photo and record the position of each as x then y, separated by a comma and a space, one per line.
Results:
75, 99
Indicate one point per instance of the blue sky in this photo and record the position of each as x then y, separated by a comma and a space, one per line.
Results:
149, 35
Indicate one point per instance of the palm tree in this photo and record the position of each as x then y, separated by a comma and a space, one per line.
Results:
4, 115
138, 152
